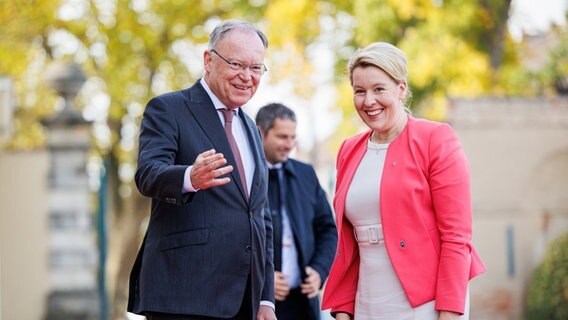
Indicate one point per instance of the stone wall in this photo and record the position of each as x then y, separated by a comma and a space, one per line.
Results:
24, 274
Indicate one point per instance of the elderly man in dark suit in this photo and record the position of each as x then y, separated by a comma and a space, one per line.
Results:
305, 237
207, 252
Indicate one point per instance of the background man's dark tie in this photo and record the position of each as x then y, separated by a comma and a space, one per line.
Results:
228, 114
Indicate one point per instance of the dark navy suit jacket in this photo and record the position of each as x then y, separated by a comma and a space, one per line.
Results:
311, 219
199, 247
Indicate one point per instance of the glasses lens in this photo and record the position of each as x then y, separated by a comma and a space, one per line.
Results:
255, 68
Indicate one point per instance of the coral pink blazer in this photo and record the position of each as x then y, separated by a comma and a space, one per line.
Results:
426, 215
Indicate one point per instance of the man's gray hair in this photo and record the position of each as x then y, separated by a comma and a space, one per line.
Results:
222, 29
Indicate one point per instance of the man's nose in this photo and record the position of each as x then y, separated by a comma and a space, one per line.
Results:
245, 73
290, 143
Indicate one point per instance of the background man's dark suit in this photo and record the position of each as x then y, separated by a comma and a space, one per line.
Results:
311, 220
201, 246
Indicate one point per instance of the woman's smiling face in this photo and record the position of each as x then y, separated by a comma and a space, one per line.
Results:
378, 99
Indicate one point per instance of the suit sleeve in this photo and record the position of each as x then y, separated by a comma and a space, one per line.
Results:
450, 187
157, 175
325, 232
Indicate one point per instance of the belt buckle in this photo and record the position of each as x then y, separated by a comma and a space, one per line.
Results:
373, 235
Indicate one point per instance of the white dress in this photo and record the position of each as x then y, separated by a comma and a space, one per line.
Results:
380, 295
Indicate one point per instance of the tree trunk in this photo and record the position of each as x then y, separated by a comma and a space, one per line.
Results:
495, 37
127, 218
127, 234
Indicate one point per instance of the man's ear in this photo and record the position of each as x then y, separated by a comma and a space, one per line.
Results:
260, 132
207, 60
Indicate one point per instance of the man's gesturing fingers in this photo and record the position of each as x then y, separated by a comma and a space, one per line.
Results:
207, 169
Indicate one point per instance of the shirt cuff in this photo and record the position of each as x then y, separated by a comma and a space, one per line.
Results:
187, 186
268, 303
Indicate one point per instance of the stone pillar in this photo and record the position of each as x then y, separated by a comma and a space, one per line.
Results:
72, 246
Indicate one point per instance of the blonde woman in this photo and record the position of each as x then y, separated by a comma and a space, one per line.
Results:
402, 205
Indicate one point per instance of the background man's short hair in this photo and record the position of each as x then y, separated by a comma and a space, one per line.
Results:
267, 115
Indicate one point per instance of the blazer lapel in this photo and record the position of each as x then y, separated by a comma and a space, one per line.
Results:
354, 152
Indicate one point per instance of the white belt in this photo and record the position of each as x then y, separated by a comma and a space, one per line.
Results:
372, 233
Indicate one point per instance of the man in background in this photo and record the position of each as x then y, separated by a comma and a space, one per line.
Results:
305, 237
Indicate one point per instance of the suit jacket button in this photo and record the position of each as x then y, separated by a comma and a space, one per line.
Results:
248, 248
402, 244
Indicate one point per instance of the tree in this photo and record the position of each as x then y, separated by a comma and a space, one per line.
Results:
454, 48
547, 294
23, 54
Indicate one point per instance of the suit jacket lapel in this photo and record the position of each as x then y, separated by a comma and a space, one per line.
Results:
255, 144
203, 110
275, 210
289, 185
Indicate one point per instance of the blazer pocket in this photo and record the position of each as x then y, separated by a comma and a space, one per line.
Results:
188, 238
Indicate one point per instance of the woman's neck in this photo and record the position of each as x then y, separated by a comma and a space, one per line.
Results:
390, 135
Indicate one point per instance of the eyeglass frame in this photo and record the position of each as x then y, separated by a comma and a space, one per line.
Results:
239, 66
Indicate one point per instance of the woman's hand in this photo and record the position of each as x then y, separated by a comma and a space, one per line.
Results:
448, 315
342, 316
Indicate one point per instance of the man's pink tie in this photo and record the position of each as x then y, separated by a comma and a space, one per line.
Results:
228, 114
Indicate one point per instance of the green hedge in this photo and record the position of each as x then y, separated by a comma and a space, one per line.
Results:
547, 294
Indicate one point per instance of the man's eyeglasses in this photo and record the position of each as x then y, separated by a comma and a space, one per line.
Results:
259, 69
